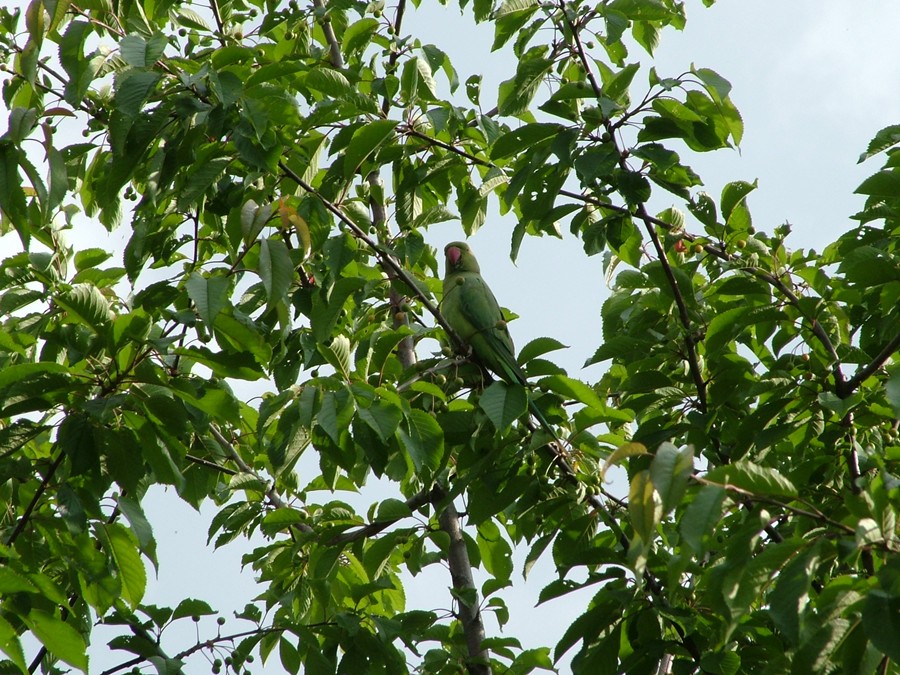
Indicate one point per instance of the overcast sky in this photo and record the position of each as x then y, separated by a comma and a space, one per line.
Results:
814, 80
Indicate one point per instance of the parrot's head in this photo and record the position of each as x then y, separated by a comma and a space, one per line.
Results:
460, 258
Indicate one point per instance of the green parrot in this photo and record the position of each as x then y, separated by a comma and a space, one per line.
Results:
471, 310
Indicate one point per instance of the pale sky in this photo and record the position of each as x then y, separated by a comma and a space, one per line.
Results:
814, 80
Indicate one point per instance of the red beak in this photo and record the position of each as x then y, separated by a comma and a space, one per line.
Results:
453, 256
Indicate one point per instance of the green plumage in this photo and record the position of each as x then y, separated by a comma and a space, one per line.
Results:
471, 310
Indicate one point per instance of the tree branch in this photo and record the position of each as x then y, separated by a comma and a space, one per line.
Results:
334, 47
414, 503
388, 262
272, 496
690, 340
26, 515
464, 585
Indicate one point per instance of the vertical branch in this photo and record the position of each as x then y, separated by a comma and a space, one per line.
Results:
464, 585
334, 47
406, 348
690, 340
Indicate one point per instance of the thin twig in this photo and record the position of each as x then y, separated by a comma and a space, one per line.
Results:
271, 494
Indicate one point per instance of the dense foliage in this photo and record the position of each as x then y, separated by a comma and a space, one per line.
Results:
275, 166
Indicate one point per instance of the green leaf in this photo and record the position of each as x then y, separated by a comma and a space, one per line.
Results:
539, 347
329, 81
616, 86
733, 194
884, 139
881, 621
191, 19
382, 417
133, 49
224, 364
13, 582
496, 553
364, 142
417, 81
276, 269
281, 519
519, 140
790, 594
11, 645
390, 510
753, 478
60, 639
132, 88
423, 439
128, 563
509, 18
624, 451
717, 86
84, 303
670, 472
209, 294
882, 184
90, 257
574, 389
516, 94
644, 506
191, 607
701, 516
504, 403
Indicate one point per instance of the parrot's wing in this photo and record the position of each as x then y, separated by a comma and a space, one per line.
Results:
490, 340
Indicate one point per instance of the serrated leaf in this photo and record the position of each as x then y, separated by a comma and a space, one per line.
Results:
670, 472
85, 304
881, 621
516, 94
644, 506
209, 295
191, 607
423, 439
789, 596
753, 478
382, 417
329, 81
701, 516
885, 183
734, 193
132, 88
539, 347
131, 572
622, 452
281, 519
340, 348
504, 403
884, 139
60, 638
574, 389
365, 141
11, 645
392, 509
133, 49
276, 269
191, 19
518, 140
